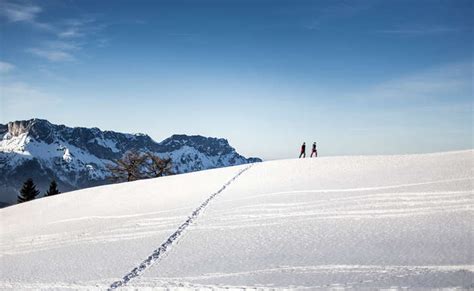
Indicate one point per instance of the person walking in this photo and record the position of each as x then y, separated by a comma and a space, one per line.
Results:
303, 150
314, 151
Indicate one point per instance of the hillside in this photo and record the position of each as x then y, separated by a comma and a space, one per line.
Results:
362, 221
77, 157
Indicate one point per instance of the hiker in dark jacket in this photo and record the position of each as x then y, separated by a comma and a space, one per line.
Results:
314, 150
303, 150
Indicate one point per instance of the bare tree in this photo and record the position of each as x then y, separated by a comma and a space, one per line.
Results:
157, 166
129, 167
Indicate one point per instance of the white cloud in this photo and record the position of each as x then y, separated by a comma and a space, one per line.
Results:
56, 51
6, 67
26, 13
60, 48
78, 27
70, 33
16, 12
54, 55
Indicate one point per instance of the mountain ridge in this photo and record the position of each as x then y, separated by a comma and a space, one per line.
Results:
77, 157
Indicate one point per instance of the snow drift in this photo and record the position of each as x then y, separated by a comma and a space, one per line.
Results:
374, 221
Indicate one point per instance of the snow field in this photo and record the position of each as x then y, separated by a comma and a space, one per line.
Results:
351, 222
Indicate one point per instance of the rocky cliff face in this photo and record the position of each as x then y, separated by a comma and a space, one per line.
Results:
78, 157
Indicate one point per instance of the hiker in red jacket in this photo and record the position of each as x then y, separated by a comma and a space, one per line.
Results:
314, 151
303, 150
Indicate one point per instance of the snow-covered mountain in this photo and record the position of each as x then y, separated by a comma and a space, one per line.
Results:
372, 223
77, 157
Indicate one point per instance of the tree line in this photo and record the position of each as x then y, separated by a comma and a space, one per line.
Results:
29, 192
132, 166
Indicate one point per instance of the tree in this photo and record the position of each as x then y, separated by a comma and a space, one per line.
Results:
130, 167
53, 189
28, 192
158, 167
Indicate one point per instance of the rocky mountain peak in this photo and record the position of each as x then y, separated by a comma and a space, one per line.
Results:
16, 128
39, 129
207, 145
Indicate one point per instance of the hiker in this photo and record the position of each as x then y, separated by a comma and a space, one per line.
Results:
303, 150
314, 151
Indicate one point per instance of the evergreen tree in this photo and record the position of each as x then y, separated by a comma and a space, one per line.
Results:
28, 192
53, 189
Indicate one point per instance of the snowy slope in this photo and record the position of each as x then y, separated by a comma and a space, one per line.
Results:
361, 222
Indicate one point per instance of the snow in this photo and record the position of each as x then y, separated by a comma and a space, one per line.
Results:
11, 143
351, 222
26, 148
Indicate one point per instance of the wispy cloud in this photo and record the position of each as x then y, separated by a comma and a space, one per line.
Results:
335, 11
16, 12
24, 12
29, 13
6, 67
103, 42
52, 54
63, 45
70, 33
56, 51
446, 81
66, 36
80, 27
418, 31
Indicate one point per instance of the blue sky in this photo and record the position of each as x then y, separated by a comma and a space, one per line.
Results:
358, 77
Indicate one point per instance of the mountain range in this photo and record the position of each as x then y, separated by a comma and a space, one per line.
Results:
77, 157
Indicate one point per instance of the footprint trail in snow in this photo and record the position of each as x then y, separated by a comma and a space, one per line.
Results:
159, 252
